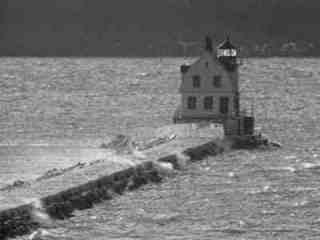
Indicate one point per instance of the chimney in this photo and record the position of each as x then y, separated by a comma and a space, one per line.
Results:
208, 46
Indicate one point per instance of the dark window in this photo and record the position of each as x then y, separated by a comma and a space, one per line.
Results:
192, 102
248, 125
184, 68
196, 81
207, 64
208, 103
224, 105
217, 81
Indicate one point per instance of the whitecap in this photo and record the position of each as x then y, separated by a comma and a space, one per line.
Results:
309, 165
43, 234
301, 203
165, 165
290, 157
39, 214
138, 154
266, 188
143, 74
289, 168
159, 218
164, 168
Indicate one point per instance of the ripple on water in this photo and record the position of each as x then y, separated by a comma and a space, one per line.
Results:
274, 194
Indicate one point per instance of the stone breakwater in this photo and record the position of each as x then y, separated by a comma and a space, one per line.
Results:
83, 188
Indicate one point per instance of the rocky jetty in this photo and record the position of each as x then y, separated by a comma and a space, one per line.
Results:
27, 207
81, 188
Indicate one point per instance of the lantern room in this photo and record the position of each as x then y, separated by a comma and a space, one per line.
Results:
227, 55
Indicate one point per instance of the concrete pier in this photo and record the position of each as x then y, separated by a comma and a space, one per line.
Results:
82, 188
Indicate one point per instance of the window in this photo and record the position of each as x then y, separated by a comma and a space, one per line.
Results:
208, 103
224, 105
196, 81
217, 81
207, 64
192, 102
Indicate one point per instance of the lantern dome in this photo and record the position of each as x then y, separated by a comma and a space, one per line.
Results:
226, 44
227, 54
226, 49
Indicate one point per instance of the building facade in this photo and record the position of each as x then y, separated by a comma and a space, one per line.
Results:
210, 86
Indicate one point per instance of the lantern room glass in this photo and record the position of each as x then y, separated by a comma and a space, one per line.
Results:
227, 52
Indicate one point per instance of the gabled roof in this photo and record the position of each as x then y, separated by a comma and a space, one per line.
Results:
208, 55
226, 44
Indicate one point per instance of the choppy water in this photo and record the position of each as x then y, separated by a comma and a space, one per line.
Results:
51, 107
237, 195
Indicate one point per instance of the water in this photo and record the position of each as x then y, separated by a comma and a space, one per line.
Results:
258, 201
51, 107
237, 195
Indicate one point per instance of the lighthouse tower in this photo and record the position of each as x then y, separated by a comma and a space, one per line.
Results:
227, 55
210, 90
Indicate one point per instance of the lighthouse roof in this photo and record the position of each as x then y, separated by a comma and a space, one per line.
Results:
226, 44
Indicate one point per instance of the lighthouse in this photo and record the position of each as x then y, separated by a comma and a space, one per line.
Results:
227, 55
209, 90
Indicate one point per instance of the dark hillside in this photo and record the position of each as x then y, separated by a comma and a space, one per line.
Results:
152, 27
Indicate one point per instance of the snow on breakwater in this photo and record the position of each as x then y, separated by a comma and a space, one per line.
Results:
61, 202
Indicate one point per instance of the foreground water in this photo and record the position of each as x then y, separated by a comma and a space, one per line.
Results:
59, 104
